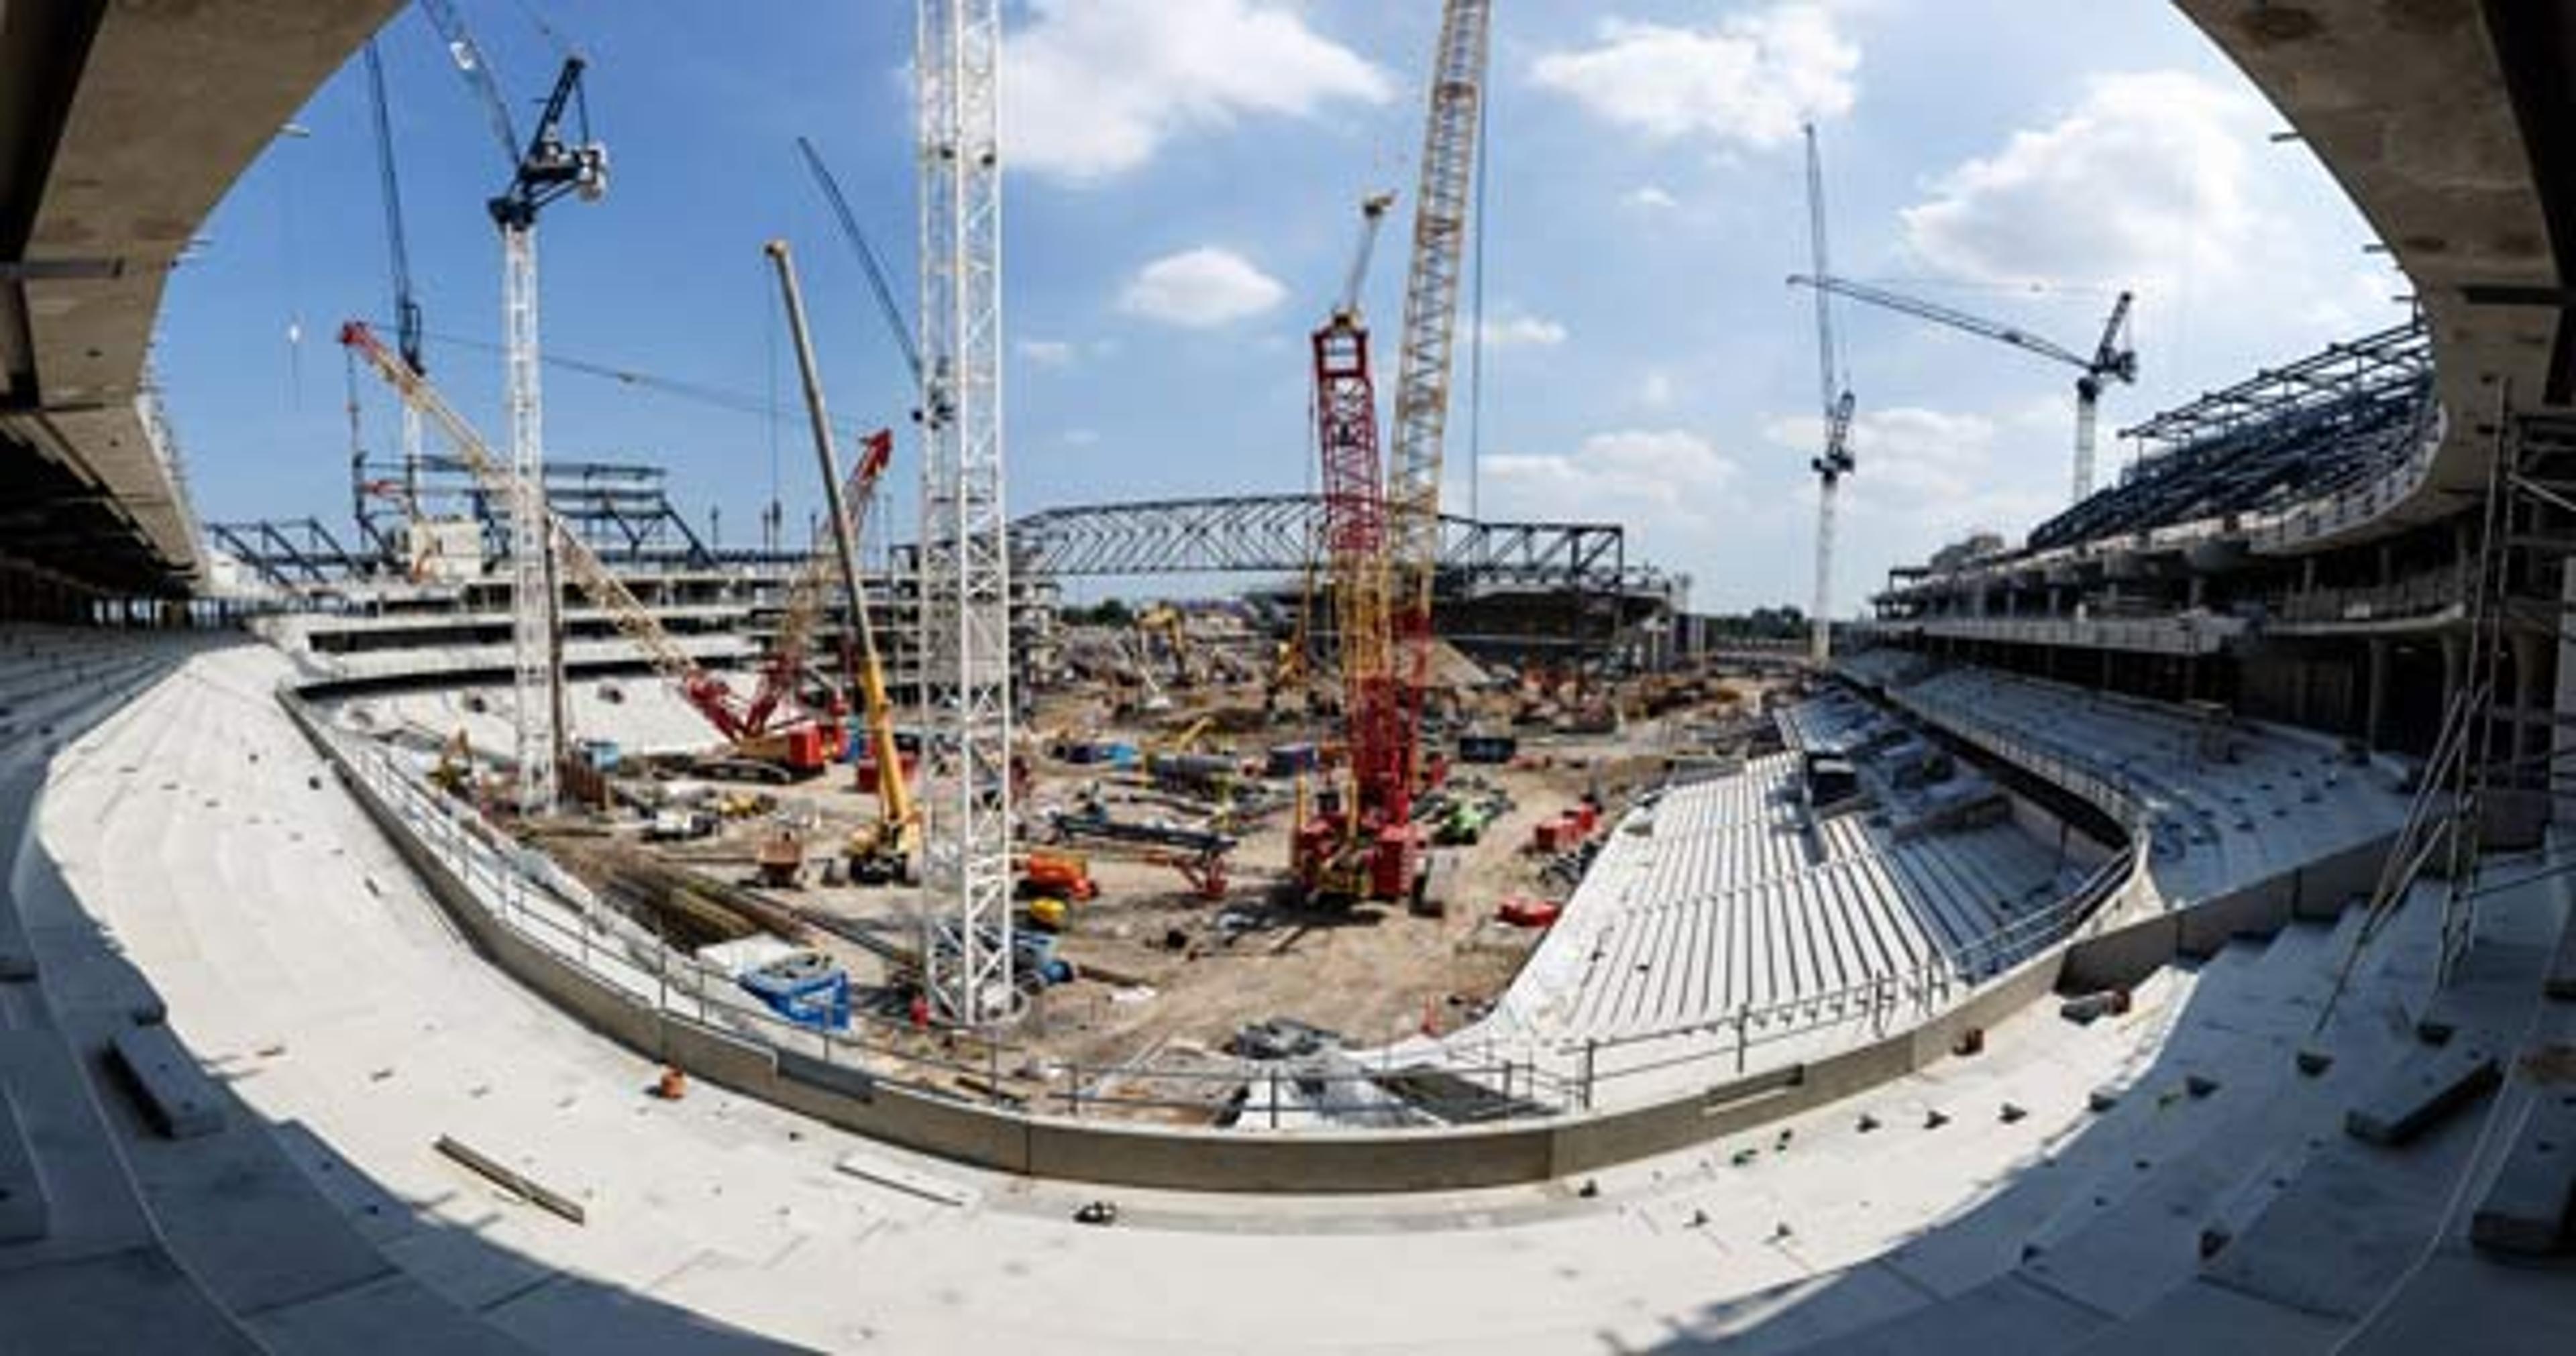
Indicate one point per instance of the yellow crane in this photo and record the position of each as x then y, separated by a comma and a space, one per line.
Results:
882, 851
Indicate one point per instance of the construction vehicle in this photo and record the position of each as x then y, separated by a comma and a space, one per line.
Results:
454, 773
780, 856
741, 723
1201, 856
1164, 622
1065, 874
2112, 359
885, 850
1382, 524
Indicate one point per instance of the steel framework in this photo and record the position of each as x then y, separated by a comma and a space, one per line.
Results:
2289, 433
965, 557
291, 553
1279, 533
621, 510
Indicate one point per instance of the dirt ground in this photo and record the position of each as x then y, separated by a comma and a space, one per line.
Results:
1166, 977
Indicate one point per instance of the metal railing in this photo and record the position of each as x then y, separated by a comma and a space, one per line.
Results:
1527, 1074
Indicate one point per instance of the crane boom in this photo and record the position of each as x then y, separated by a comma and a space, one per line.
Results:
1373, 211
1440, 228
1822, 255
1943, 315
407, 326
894, 798
2112, 359
588, 573
868, 258
477, 72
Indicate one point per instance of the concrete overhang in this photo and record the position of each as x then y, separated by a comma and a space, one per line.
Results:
2414, 108
126, 121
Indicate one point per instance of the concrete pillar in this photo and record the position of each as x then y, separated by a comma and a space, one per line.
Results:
2374, 721
2562, 733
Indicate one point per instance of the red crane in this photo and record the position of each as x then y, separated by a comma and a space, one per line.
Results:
1360, 843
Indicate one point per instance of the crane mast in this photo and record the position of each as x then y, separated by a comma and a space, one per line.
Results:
1836, 460
544, 170
1440, 228
965, 543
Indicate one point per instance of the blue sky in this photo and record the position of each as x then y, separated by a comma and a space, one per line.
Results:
1183, 193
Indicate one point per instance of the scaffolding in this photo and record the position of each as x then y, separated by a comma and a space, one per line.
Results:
2486, 794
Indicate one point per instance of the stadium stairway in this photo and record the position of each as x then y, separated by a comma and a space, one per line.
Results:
2224, 1201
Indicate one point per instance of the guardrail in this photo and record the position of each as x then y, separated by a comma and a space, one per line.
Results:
1919, 993
1530, 1111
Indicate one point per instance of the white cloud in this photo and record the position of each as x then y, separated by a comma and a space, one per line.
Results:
1928, 477
1652, 198
1750, 81
1081, 437
1671, 485
1200, 289
1522, 331
2145, 183
1047, 352
1093, 88
1656, 390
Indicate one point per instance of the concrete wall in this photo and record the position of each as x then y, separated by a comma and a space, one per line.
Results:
2122, 955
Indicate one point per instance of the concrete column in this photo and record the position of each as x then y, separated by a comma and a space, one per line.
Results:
2375, 699
2562, 736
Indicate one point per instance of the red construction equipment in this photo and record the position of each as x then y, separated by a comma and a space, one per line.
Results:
1361, 843
806, 743
1382, 524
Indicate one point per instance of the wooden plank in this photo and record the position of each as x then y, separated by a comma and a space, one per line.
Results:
512, 1180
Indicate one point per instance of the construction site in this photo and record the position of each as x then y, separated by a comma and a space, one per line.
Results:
514, 915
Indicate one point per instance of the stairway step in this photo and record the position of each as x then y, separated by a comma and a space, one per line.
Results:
24, 1207
2421, 1093
2530, 1208
167, 1082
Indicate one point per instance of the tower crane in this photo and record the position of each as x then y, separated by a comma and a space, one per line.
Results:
965, 552
1341, 851
542, 171
2112, 358
1836, 460
1440, 225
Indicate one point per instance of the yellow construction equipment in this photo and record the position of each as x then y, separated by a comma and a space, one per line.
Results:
882, 851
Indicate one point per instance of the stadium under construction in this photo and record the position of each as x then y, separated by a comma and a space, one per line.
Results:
513, 917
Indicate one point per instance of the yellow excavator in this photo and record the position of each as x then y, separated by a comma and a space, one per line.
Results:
882, 852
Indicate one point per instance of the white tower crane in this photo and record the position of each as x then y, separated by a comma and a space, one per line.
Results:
1836, 460
965, 560
2112, 358
543, 170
